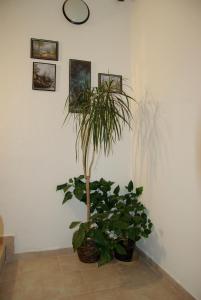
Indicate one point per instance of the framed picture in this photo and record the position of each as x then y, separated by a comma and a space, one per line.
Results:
116, 81
79, 79
44, 77
44, 49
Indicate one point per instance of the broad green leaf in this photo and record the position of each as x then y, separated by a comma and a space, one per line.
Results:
85, 226
105, 256
74, 224
68, 186
67, 197
78, 239
117, 190
61, 187
99, 238
78, 192
130, 186
139, 190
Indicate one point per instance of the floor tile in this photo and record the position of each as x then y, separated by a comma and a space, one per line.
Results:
60, 275
72, 262
101, 279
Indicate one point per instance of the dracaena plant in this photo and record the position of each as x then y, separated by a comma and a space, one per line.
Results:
99, 125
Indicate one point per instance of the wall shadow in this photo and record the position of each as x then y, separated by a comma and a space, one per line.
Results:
150, 158
149, 139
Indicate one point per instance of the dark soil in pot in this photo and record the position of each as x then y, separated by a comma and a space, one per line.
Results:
129, 247
88, 253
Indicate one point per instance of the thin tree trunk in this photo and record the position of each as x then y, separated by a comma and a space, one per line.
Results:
88, 196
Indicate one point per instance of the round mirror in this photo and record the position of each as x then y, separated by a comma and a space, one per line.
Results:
76, 11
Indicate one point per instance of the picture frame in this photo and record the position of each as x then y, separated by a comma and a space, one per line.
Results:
117, 81
44, 49
44, 77
79, 79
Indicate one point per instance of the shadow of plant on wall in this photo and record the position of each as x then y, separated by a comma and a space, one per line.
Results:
149, 139
150, 148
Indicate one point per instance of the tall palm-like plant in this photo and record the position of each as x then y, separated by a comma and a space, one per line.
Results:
104, 112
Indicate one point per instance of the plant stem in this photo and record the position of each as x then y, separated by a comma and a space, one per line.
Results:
88, 197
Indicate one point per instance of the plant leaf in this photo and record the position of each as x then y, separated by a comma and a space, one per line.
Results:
74, 224
117, 190
139, 190
61, 186
78, 192
105, 256
78, 238
67, 197
130, 186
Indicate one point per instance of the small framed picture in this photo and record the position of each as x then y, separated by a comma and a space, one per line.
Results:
44, 77
115, 79
79, 79
44, 49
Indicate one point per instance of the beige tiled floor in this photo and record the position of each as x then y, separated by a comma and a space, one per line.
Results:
59, 275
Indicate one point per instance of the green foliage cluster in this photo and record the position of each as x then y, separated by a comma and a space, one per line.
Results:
115, 216
102, 196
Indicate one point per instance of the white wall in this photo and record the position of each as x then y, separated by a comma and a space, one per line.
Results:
166, 60
36, 153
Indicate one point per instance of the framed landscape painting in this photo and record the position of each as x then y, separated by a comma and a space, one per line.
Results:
104, 78
44, 49
44, 77
79, 79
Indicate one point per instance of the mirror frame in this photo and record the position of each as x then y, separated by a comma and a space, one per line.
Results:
73, 22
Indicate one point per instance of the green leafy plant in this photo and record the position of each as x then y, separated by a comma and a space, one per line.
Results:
115, 216
90, 231
129, 220
96, 229
103, 193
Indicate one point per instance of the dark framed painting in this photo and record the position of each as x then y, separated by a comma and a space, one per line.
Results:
104, 78
44, 77
79, 79
44, 49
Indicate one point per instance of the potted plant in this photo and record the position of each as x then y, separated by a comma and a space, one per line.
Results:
104, 114
103, 197
129, 222
92, 242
